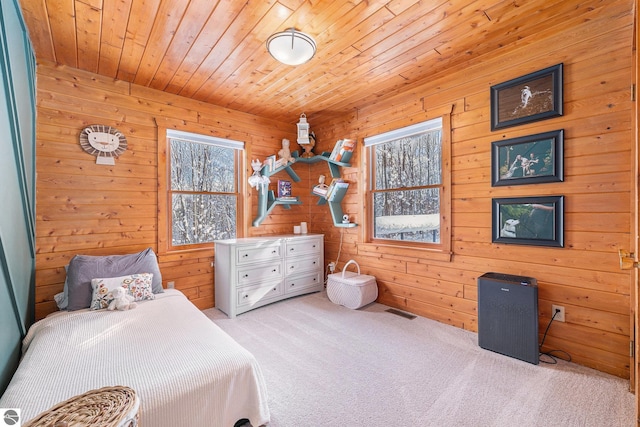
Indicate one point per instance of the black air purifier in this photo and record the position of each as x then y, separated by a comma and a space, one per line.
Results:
508, 315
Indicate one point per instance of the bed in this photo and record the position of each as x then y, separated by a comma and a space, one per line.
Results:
184, 369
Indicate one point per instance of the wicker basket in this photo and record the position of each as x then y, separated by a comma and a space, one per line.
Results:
352, 290
106, 407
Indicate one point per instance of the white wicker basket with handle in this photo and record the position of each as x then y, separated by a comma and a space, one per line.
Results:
352, 290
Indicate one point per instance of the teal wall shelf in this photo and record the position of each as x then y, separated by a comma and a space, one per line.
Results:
334, 167
288, 169
267, 200
335, 207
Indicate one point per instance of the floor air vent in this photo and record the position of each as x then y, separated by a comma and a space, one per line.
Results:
401, 313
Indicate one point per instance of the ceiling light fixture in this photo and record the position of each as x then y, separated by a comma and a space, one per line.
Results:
291, 47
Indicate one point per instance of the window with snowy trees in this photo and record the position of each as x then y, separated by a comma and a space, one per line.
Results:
203, 188
406, 183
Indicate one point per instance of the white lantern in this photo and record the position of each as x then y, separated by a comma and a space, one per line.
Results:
303, 130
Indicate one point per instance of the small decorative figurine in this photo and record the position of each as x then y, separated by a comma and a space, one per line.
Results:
256, 178
321, 188
308, 148
285, 153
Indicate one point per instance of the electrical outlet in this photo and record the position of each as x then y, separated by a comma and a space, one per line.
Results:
171, 285
558, 309
332, 267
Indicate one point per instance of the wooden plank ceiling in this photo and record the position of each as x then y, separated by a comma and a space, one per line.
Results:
214, 51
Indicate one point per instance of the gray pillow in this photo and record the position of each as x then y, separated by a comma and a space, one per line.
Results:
83, 268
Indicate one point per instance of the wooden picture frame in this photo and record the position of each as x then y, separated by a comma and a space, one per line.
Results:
534, 221
531, 159
526, 99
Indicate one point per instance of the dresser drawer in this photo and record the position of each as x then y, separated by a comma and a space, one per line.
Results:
253, 294
302, 283
259, 273
302, 247
247, 254
300, 265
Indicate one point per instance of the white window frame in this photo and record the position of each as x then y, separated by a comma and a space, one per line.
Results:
237, 146
435, 122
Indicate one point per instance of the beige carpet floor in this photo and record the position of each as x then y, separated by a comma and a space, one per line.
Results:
326, 365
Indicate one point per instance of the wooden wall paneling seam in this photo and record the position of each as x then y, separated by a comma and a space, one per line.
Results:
61, 16
168, 20
187, 33
139, 26
88, 35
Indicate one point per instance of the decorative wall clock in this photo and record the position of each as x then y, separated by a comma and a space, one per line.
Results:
104, 142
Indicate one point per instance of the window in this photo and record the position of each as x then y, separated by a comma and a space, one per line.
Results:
203, 196
407, 200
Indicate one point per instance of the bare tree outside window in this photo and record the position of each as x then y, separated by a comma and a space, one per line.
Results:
407, 188
203, 192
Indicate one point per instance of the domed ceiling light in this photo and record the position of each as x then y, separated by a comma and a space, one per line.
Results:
291, 47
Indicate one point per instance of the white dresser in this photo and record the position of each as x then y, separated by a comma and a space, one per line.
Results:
256, 271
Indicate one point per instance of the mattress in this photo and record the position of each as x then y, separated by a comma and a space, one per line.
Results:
185, 370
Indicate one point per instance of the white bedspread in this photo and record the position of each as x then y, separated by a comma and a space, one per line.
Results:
184, 368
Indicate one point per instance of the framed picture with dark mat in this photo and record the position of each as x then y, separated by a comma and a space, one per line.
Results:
534, 221
526, 99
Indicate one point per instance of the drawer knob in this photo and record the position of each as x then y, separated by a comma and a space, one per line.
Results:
274, 270
274, 251
292, 267
293, 284
245, 255
275, 289
314, 263
245, 296
245, 276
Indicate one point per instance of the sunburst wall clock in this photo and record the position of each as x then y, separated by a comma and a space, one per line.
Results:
104, 142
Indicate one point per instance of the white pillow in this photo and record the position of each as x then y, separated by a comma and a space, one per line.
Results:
61, 300
137, 285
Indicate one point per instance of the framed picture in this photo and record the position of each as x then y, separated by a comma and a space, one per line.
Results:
536, 96
528, 160
536, 221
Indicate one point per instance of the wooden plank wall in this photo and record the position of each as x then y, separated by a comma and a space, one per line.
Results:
84, 208
595, 45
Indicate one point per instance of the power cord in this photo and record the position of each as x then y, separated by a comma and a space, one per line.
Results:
340, 247
553, 359
335, 264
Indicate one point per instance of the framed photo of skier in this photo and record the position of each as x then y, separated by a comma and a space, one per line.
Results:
526, 99
529, 159
534, 221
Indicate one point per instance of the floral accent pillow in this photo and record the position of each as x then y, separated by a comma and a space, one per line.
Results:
137, 285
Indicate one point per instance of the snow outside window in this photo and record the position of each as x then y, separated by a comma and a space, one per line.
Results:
406, 183
203, 192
